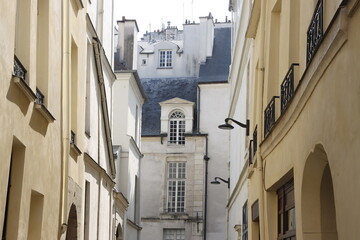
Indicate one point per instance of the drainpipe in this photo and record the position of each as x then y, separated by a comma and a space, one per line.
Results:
198, 111
65, 121
206, 158
259, 116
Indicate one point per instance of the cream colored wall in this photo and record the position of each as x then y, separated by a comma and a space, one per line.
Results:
321, 115
25, 129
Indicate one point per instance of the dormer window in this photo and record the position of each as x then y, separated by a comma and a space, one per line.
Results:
165, 58
177, 128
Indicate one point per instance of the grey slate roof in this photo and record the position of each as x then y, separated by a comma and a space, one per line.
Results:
161, 89
216, 68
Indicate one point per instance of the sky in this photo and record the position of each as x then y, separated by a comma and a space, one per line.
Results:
150, 14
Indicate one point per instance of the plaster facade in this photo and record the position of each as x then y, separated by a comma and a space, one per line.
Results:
302, 180
30, 122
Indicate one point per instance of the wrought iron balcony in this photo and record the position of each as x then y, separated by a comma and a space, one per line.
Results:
287, 87
73, 146
269, 116
251, 152
72, 138
255, 140
39, 97
19, 70
315, 31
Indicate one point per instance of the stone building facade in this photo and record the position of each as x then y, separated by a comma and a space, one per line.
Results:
183, 150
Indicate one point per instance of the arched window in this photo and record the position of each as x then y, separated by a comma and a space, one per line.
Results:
177, 128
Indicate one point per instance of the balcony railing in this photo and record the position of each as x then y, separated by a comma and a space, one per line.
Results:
72, 138
255, 141
251, 152
315, 31
287, 87
269, 116
39, 97
19, 70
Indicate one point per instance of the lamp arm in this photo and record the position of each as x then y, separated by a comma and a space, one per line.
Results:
219, 178
225, 181
246, 126
238, 123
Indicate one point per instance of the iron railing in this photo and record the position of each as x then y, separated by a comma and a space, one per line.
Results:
39, 97
255, 140
315, 31
269, 116
72, 138
287, 87
19, 69
251, 152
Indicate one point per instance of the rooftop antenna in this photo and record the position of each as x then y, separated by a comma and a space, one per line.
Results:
183, 17
149, 32
162, 24
192, 9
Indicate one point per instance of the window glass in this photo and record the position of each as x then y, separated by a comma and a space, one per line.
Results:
177, 128
165, 59
176, 187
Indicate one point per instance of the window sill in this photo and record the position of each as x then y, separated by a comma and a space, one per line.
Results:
25, 88
165, 68
74, 149
44, 112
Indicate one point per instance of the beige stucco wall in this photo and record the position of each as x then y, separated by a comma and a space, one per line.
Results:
34, 140
319, 125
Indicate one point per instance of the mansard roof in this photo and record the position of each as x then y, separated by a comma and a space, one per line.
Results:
216, 68
161, 90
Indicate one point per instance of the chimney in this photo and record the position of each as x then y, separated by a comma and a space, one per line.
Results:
206, 36
127, 44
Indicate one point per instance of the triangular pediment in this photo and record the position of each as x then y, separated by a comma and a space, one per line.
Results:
176, 101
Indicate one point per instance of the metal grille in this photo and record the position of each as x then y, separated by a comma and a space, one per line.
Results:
315, 31
19, 70
269, 116
39, 97
255, 140
287, 87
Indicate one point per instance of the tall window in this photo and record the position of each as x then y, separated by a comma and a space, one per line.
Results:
174, 234
245, 222
286, 212
177, 128
165, 58
176, 187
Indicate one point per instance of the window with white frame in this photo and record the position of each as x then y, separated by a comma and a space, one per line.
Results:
177, 128
176, 187
174, 234
165, 58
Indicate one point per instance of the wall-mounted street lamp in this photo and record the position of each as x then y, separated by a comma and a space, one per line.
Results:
228, 126
216, 181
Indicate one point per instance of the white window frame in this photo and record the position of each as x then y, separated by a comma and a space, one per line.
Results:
165, 58
177, 128
174, 234
176, 187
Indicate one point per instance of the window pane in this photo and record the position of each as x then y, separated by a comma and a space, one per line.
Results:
291, 224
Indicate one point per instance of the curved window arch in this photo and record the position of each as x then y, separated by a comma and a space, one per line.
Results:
177, 128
